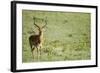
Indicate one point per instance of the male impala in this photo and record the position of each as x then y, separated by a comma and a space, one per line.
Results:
36, 40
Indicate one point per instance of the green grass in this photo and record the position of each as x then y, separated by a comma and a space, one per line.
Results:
67, 36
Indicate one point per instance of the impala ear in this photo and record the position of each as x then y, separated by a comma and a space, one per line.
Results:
31, 32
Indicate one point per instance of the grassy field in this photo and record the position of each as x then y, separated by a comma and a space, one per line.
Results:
67, 36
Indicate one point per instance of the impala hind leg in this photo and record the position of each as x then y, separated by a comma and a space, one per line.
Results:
33, 55
32, 48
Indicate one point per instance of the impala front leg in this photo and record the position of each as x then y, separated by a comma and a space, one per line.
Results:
37, 54
40, 51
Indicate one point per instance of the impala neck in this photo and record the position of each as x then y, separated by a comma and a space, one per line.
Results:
40, 33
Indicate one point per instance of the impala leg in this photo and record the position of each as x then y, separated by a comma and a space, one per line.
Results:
33, 54
40, 52
37, 54
32, 50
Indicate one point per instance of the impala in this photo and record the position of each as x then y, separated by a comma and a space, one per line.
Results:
36, 40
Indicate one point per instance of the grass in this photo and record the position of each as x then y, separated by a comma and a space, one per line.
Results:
67, 36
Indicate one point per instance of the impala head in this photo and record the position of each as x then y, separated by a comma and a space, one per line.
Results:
40, 28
